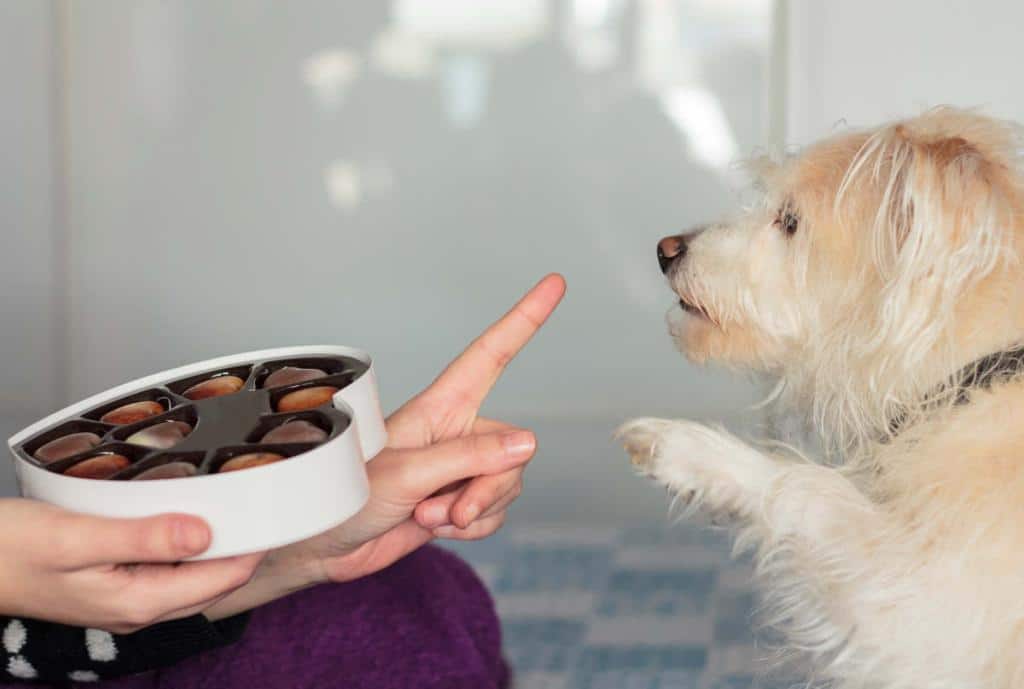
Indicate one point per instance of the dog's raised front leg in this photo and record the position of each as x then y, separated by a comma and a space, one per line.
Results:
720, 474
815, 532
707, 468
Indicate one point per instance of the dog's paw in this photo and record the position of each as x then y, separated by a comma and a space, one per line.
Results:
641, 437
702, 466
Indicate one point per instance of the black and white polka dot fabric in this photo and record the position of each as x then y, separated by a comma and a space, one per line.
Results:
15, 637
45, 652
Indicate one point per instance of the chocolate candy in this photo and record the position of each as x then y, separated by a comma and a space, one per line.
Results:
306, 398
250, 460
66, 446
132, 412
288, 375
214, 387
98, 467
169, 470
295, 432
161, 435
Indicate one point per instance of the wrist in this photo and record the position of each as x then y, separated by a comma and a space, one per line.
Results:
295, 567
283, 572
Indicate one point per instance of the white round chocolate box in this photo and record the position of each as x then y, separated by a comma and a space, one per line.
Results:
269, 447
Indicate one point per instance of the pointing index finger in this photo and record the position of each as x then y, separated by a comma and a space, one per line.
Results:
477, 369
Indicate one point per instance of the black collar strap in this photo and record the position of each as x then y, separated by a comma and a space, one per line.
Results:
983, 373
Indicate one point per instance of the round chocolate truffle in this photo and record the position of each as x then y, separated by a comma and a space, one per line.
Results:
132, 412
214, 387
288, 375
295, 432
161, 435
66, 446
169, 470
98, 467
250, 460
306, 398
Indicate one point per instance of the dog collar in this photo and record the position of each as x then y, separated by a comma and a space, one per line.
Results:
982, 373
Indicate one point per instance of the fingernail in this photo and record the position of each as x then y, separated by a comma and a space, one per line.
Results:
435, 515
518, 443
190, 536
471, 513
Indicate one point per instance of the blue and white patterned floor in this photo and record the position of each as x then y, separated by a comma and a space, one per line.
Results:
659, 607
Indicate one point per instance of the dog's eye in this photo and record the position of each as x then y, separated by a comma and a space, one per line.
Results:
787, 221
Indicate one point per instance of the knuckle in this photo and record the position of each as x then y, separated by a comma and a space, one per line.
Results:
488, 447
144, 539
475, 445
172, 537
158, 537
147, 544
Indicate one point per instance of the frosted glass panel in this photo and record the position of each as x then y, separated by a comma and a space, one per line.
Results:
392, 175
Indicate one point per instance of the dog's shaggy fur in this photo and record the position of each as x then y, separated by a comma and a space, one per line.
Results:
881, 264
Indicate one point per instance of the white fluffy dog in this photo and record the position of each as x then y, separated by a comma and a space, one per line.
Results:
880, 282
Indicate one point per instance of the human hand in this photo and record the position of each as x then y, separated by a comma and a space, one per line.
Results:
114, 574
449, 408
446, 471
436, 441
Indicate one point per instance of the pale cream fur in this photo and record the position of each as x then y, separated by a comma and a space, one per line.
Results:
897, 559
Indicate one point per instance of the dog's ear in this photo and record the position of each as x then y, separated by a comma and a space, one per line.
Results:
941, 216
937, 223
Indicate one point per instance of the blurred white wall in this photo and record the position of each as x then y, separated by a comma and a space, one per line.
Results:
869, 61
29, 294
254, 174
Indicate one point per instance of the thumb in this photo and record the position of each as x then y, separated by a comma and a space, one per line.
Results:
419, 473
163, 538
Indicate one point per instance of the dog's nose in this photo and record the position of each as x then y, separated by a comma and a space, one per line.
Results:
671, 249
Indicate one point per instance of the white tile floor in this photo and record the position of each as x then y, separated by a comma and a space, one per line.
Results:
641, 607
